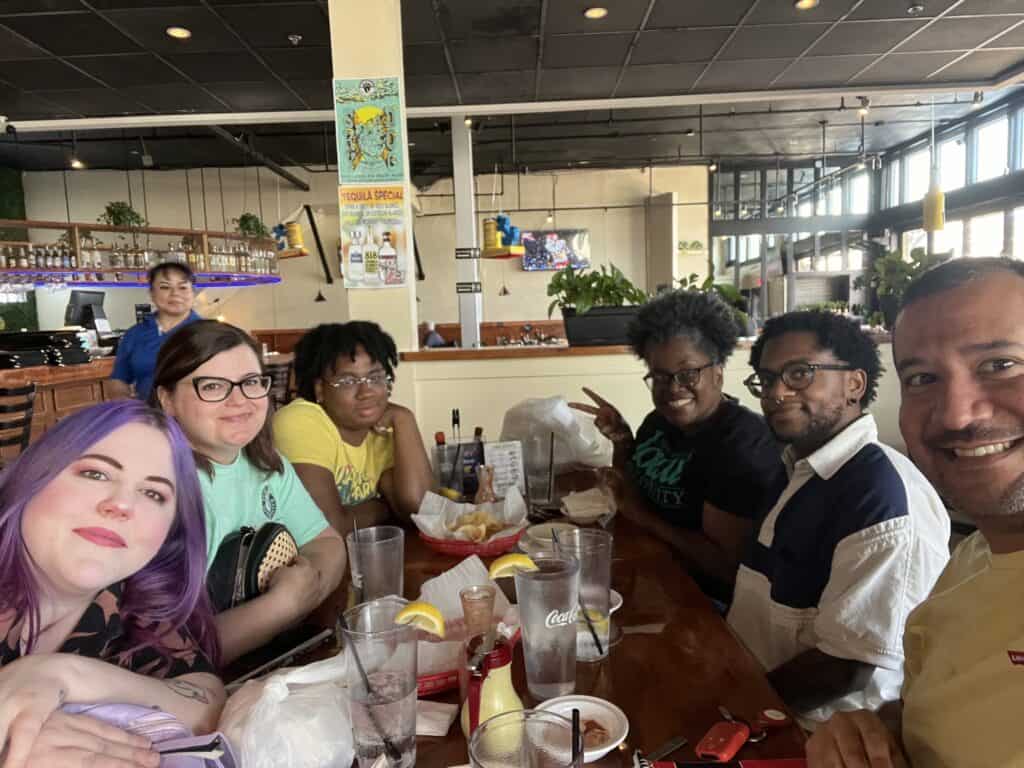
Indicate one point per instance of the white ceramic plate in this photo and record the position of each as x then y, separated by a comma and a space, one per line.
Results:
604, 713
539, 536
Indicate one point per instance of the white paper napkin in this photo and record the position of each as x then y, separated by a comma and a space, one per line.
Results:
434, 718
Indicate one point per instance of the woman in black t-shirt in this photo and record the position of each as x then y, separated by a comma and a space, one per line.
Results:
701, 466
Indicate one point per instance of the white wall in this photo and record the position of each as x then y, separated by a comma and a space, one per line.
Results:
615, 216
165, 202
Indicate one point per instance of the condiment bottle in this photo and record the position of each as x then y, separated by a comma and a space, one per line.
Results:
489, 687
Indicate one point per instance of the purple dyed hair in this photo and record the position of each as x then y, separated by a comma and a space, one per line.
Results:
169, 591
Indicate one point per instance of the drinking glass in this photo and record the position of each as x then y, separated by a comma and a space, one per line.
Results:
387, 708
477, 608
593, 549
526, 737
549, 607
376, 561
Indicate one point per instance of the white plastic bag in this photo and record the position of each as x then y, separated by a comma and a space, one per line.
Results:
577, 440
294, 718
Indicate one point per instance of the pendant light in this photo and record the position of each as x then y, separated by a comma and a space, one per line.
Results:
933, 206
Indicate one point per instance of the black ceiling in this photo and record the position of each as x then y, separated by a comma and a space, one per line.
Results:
75, 58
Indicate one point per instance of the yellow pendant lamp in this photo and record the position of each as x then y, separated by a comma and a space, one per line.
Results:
933, 206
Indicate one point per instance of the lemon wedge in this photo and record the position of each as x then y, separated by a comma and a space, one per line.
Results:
510, 565
422, 616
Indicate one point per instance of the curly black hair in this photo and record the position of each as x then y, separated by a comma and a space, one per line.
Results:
702, 317
317, 351
955, 273
840, 335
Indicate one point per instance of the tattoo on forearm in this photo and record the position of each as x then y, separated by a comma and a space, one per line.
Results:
188, 690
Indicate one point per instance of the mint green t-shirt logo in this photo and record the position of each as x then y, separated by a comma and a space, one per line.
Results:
268, 502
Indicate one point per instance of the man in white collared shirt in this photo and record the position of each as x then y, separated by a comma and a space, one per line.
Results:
856, 538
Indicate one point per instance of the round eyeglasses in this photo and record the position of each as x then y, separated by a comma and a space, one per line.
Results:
214, 389
795, 376
688, 377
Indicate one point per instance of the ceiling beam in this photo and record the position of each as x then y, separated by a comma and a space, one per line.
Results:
259, 157
436, 6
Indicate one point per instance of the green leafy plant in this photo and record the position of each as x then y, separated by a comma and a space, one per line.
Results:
250, 225
891, 274
581, 289
691, 245
727, 292
119, 214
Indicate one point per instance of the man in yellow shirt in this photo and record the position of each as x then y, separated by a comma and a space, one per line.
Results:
959, 352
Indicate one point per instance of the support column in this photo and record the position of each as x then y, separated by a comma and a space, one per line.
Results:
467, 250
366, 42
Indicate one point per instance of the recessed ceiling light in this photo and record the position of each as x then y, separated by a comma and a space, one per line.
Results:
468, 121
179, 33
595, 13
805, 5
915, 8
77, 164
689, 132
713, 166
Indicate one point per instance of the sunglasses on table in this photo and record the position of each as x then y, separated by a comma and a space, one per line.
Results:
214, 389
795, 376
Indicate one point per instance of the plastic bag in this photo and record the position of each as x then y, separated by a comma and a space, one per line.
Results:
577, 440
295, 718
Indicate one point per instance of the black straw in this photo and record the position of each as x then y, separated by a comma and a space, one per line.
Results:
577, 738
389, 748
583, 605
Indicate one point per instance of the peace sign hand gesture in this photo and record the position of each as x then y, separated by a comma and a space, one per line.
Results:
607, 419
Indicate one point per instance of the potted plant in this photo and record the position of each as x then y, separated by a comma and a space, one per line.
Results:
119, 214
728, 293
250, 225
891, 274
597, 306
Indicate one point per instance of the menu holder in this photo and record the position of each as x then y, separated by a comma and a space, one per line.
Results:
455, 466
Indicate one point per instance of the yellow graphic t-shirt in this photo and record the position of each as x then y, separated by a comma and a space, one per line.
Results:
305, 434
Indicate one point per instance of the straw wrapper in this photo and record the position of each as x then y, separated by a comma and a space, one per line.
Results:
437, 514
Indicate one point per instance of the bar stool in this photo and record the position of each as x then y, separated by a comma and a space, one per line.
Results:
16, 407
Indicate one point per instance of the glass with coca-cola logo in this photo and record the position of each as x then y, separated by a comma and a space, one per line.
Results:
548, 608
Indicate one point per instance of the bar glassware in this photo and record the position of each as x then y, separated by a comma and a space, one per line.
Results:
526, 737
376, 559
549, 608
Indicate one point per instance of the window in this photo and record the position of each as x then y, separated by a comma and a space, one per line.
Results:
951, 239
805, 209
856, 259
750, 248
913, 239
750, 195
722, 251
993, 148
834, 261
894, 182
860, 193
1018, 233
986, 238
835, 198
918, 171
953, 163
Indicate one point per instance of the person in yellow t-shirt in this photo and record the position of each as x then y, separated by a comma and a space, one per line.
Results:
354, 450
962, 416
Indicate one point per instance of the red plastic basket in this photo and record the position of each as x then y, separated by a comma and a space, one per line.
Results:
467, 548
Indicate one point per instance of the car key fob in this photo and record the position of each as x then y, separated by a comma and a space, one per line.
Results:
723, 741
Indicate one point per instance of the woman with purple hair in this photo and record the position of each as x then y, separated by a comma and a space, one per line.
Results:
102, 561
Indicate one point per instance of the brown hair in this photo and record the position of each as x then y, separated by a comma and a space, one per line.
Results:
187, 349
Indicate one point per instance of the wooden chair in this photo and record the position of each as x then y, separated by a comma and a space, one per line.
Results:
281, 389
16, 407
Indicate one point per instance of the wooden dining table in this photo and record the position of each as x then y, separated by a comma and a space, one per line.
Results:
676, 662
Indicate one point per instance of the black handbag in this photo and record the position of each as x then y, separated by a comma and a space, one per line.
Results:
245, 562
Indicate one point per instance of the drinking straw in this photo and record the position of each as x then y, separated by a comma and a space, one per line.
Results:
551, 469
389, 748
359, 587
577, 737
583, 605
455, 465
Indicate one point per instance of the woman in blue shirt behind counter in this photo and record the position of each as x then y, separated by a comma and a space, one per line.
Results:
171, 289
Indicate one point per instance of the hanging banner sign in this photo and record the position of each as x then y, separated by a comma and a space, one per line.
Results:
374, 243
369, 127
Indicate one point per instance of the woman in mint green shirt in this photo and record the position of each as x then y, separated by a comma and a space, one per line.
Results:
209, 377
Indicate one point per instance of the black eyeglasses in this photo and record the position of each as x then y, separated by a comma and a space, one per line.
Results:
214, 389
796, 376
688, 377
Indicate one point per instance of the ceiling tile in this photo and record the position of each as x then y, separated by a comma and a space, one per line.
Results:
428, 90
1012, 39
255, 96
68, 34
149, 26
121, 4
494, 87
300, 63
889, 9
783, 12
270, 24
834, 70
956, 34
904, 68
681, 13
981, 65
38, 6
581, 83
462, 18
97, 102
567, 16
488, 55
740, 75
176, 97
19, 105
425, 59
129, 69
43, 75
677, 46
220, 67
772, 42
658, 79
851, 38
586, 50
13, 47
973, 7
317, 93
418, 22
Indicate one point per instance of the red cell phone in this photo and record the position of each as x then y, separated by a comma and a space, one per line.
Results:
723, 741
